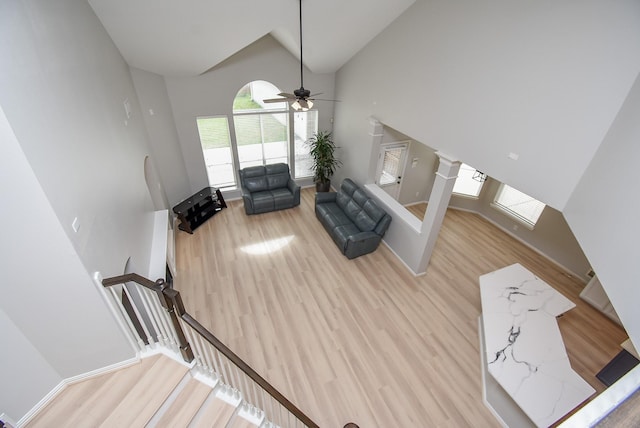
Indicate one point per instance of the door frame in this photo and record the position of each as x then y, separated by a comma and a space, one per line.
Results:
404, 146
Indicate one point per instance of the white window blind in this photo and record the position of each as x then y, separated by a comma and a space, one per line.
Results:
518, 204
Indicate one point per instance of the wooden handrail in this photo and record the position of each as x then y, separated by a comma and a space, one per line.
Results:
209, 337
172, 301
248, 371
132, 277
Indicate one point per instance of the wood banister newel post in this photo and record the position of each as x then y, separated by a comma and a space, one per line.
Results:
171, 301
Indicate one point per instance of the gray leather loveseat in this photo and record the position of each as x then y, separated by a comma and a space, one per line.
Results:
353, 220
268, 188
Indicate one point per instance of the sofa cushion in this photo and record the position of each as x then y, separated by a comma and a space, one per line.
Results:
348, 186
373, 211
277, 168
256, 184
352, 210
341, 234
277, 181
364, 222
332, 216
253, 171
262, 201
360, 197
282, 198
342, 199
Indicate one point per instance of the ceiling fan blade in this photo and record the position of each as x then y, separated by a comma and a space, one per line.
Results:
316, 94
322, 99
276, 100
287, 95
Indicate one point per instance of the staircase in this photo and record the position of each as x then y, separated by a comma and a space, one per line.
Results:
186, 378
156, 392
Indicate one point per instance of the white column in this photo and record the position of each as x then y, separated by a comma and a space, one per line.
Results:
437, 207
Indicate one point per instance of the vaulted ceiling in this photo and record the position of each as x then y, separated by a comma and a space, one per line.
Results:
188, 37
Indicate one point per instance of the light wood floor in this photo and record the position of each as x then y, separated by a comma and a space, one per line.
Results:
363, 340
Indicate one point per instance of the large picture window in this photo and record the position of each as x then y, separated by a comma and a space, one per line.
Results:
519, 205
262, 138
263, 135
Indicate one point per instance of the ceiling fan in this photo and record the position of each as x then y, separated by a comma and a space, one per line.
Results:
301, 99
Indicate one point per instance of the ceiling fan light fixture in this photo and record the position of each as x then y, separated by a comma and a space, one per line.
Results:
302, 104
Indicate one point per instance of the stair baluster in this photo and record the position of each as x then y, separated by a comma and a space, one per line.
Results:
172, 327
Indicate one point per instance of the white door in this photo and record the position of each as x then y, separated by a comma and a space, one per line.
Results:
391, 163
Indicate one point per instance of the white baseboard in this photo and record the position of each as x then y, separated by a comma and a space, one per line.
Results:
75, 379
402, 261
525, 243
9, 423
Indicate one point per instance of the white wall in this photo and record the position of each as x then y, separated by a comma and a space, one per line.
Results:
68, 151
479, 80
417, 180
212, 94
22, 358
163, 137
56, 324
62, 87
603, 213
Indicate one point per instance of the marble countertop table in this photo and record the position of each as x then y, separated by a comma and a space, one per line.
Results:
525, 352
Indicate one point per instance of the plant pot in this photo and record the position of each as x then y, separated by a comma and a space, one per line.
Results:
323, 186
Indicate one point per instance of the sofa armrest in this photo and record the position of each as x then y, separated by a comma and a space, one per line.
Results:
294, 188
324, 197
248, 202
361, 243
383, 225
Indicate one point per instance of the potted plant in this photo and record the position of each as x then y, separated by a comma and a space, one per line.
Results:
322, 150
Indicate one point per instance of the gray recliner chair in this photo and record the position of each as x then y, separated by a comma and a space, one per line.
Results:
268, 188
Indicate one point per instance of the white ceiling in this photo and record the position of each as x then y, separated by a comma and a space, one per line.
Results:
188, 37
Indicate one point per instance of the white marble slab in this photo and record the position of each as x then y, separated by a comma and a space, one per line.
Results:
525, 352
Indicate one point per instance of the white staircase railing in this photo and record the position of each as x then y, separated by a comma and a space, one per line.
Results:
154, 318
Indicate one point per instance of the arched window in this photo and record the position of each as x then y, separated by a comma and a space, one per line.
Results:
262, 129
263, 135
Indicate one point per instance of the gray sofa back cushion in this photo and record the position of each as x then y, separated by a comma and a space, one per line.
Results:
254, 179
369, 217
270, 177
360, 197
343, 197
277, 181
277, 168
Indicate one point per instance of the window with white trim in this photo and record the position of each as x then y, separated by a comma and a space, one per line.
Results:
305, 124
468, 182
263, 135
216, 148
262, 129
518, 205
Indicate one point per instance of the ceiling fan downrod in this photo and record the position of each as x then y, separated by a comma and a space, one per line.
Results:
301, 72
